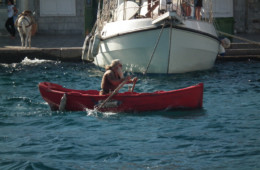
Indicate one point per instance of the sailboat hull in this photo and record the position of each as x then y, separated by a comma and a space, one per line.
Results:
177, 49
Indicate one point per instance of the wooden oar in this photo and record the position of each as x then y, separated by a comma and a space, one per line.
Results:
114, 92
134, 84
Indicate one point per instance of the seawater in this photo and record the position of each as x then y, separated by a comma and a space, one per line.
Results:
224, 134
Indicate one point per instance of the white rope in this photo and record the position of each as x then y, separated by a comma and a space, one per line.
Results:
170, 49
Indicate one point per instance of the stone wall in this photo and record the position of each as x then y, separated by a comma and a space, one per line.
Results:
246, 15
3, 17
253, 21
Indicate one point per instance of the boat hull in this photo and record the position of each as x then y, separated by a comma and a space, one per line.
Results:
180, 49
80, 100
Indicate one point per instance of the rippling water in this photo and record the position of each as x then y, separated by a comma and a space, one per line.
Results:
222, 135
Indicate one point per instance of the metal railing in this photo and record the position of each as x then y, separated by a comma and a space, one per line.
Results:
106, 14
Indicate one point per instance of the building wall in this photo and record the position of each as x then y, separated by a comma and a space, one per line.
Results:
246, 15
61, 24
239, 15
3, 17
222, 8
253, 21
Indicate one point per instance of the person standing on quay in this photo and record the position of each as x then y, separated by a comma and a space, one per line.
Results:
198, 5
9, 24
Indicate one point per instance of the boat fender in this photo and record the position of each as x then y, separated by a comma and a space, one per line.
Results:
95, 45
221, 50
225, 42
89, 54
63, 102
85, 48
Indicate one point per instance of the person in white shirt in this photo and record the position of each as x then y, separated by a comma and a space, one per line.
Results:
9, 24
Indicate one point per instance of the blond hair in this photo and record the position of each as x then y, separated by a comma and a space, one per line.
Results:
113, 64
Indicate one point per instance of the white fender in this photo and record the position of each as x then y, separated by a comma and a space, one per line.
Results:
221, 50
89, 54
85, 48
95, 45
225, 43
63, 102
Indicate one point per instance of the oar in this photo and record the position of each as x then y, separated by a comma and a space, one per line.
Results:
114, 92
134, 84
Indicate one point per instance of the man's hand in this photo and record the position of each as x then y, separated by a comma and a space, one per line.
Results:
134, 79
131, 80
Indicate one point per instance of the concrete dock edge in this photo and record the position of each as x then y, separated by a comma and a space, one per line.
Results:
237, 52
16, 55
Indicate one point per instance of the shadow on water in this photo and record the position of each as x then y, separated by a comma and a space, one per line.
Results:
173, 114
166, 82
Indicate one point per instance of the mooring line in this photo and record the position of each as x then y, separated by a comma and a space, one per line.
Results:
155, 48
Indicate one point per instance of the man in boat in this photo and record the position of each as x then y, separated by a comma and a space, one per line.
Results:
113, 77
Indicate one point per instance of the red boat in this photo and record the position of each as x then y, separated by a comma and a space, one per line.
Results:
79, 100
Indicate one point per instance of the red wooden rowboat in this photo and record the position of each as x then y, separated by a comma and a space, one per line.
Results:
80, 100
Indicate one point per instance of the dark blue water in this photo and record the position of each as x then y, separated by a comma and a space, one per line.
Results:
225, 134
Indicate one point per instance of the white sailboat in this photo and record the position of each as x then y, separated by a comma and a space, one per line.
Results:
151, 36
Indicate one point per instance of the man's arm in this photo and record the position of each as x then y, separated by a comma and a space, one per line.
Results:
112, 78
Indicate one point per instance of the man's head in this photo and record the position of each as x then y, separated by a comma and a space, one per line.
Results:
116, 63
116, 66
10, 2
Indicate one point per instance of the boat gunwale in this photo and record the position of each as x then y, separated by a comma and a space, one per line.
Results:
74, 92
160, 27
